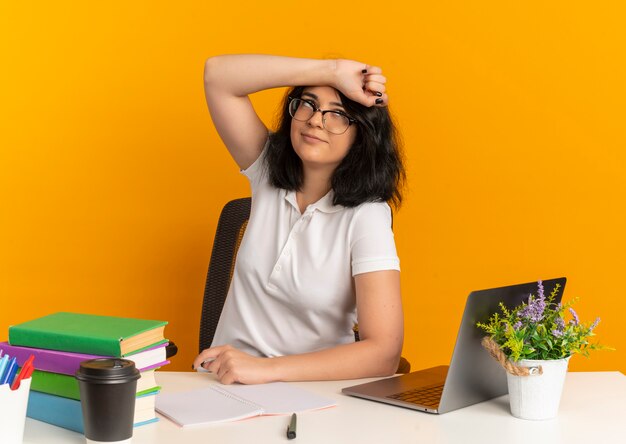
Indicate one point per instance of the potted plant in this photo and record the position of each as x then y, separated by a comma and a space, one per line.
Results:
534, 342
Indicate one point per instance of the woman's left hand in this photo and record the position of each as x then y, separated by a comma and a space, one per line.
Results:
362, 83
232, 365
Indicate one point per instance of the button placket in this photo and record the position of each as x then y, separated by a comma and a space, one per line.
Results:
287, 249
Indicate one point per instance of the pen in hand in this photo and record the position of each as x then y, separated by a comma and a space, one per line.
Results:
291, 430
201, 367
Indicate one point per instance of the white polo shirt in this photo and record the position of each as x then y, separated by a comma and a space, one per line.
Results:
292, 289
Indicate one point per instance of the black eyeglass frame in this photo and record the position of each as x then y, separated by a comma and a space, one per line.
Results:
323, 111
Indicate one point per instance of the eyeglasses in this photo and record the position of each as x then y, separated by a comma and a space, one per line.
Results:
335, 122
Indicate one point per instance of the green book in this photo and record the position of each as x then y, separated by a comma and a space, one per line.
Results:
67, 386
85, 333
55, 384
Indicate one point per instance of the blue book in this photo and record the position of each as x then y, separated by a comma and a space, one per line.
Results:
55, 410
67, 413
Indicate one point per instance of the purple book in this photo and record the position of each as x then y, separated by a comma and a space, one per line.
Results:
68, 363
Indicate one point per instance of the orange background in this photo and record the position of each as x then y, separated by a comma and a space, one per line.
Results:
112, 175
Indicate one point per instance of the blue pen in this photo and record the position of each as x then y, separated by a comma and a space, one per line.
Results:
3, 365
10, 372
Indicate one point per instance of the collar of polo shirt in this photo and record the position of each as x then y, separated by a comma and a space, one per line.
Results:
325, 204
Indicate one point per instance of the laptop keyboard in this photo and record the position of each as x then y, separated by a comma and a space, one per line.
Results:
427, 396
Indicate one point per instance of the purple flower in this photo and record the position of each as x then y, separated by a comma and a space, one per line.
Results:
560, 326
517, 325
557, 333
533, 312
575, 320
595, 323
526, 311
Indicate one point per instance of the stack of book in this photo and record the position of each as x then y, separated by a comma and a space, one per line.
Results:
61, 341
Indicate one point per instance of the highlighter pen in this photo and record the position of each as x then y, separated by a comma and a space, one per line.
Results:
291, 430
25, 372
9, 371
4, 362
12, 374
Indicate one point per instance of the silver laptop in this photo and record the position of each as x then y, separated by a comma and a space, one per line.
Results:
473, 375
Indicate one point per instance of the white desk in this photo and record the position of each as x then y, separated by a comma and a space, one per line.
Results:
593, 410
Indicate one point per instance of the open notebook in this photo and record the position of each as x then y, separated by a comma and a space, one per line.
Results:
221, 403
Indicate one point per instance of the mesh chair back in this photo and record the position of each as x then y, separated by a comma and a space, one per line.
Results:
230, 229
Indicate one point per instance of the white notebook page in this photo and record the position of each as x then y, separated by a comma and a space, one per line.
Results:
280, 398
220, 403
203, 406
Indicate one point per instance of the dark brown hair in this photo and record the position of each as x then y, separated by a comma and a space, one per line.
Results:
372, 171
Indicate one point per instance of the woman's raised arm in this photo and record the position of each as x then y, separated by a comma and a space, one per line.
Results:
229, 79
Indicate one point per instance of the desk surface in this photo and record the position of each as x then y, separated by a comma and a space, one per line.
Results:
593, 410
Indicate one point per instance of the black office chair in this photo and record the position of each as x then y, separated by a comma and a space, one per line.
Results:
230, 229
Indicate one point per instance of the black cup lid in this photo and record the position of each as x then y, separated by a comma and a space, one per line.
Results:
107, 368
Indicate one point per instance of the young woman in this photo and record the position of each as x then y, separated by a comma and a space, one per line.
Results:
318, 248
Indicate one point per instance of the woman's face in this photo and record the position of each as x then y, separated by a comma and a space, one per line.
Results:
316, 147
